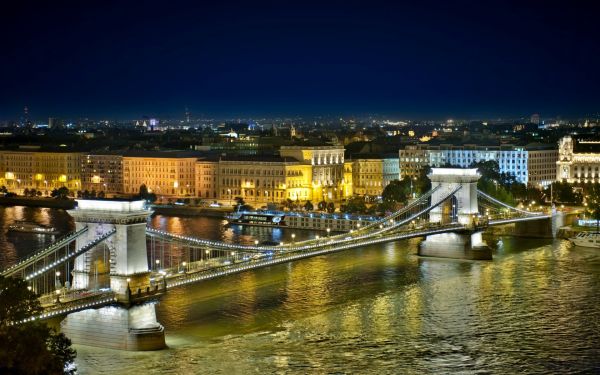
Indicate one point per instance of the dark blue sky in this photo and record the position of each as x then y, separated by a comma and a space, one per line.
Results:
423, 60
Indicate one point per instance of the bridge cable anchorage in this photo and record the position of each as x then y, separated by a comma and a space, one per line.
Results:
88, 246
494, 200
21, 265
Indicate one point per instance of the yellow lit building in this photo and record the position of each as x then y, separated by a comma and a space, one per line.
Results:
263, 179
206, 178
167, 174
327, 172
102, 173
347, 183
367, 176
43, 171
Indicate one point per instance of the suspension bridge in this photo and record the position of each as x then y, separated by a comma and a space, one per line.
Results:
101, 275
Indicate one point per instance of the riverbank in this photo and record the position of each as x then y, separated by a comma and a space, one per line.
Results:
65, 204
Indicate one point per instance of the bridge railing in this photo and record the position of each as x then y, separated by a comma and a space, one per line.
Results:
88, 246
18, 267
515, 209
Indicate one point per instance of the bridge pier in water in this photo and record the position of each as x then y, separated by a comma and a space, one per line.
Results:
126, 325
463, 208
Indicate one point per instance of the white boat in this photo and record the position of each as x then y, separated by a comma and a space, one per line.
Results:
29, 227
587, 239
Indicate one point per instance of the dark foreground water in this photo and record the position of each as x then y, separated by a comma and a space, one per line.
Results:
381, 309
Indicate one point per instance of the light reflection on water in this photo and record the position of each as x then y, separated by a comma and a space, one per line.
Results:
379, 309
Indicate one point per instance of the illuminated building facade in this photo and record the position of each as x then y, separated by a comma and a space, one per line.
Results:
263, 179
579, 160
206, 178
43, 171
102, 173
533, 165
327, 172
167, 174
370, 175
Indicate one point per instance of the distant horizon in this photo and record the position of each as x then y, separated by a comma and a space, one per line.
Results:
332, 116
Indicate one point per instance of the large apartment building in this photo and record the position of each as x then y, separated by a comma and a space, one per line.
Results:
371, 174
102, 173
534, 164
40, 170
167, 174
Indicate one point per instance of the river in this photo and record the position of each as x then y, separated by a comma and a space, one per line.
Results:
378, 309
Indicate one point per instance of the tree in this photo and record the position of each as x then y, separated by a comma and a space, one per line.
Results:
3, 189
422, 184
355, 205
308, 206
330, 207
26, 192
101, 194
146, 195
143, 191
32, 347
593, 204
397, 191
60, 193
322, 205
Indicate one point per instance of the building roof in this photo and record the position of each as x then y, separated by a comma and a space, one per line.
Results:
259, 158
163, 154
586, 145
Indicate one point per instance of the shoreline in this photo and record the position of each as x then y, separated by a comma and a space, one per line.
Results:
65, 204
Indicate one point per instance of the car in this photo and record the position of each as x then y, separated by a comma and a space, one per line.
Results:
214, 205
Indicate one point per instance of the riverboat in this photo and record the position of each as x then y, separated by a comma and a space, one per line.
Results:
587, 239
29, 227
300, 220
259, 218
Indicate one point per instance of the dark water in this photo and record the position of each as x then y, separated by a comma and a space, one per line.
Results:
14, 245
381, 309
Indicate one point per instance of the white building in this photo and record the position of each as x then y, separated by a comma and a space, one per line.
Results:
579, 160
532, 164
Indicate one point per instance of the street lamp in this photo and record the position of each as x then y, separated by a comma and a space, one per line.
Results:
328, 230
255, 242
184, 264
57, 280
293, 237
229, 193
317, 237
157, 263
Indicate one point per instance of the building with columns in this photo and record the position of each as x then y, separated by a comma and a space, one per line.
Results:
327, 169
579, 160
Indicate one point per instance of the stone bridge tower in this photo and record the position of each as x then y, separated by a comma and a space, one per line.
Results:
124, 325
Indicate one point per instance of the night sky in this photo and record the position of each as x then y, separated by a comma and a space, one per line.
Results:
431, 60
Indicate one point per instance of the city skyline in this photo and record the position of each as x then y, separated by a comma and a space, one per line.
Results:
419, 61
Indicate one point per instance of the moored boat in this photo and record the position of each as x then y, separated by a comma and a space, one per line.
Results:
587, 239
29, 227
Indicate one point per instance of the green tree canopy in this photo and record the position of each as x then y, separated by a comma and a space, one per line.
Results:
32, 347
397, 191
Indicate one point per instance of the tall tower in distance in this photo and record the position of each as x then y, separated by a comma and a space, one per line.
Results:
187, 115
535, 119
26, 122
